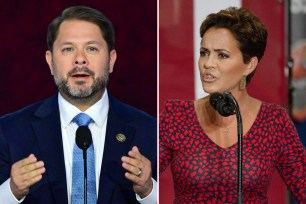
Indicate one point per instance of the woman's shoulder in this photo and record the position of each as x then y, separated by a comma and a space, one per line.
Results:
273, 111
273, 107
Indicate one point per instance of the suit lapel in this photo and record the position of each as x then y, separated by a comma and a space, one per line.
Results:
49, 137
112, 173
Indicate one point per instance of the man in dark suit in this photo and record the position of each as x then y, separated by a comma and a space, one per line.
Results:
36, 143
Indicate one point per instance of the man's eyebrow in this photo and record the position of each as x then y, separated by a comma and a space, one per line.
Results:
87, 43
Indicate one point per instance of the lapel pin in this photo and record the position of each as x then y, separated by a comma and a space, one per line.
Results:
120, 137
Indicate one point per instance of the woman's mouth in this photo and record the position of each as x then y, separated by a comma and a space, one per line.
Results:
208, 78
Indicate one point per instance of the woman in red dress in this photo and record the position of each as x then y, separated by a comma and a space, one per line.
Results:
201, 145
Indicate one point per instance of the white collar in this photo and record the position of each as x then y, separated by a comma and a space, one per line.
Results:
98, 112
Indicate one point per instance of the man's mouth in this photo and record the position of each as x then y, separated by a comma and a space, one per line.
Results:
80, 75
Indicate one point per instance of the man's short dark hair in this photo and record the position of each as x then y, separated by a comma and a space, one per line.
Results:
85, 14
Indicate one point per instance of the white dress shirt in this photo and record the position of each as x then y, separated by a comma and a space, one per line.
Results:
98, 112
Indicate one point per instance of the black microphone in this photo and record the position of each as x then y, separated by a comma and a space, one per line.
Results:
83, 140
83, 137
223, 103
227, 105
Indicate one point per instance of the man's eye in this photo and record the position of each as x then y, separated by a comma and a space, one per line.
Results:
92, 49
67, 49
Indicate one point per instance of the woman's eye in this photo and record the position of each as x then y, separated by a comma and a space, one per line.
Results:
223, 56
203, 53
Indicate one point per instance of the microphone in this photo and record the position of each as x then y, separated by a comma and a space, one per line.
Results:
83, 140
224, 104
227, 105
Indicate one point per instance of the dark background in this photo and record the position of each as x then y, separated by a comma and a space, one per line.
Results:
25, 76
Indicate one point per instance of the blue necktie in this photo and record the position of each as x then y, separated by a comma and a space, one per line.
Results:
77, 195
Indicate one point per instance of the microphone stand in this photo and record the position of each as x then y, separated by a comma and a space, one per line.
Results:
85, 175
227, 105
240, 134
83, 140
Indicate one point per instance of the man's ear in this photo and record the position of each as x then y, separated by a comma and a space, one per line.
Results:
49, 60
112, 60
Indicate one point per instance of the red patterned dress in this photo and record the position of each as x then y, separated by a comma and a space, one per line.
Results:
203, 172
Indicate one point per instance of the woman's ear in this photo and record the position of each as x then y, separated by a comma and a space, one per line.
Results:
251, 66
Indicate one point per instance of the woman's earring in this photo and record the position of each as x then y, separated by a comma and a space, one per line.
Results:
242, 84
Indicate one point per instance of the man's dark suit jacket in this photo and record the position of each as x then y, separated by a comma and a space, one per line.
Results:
36, 129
